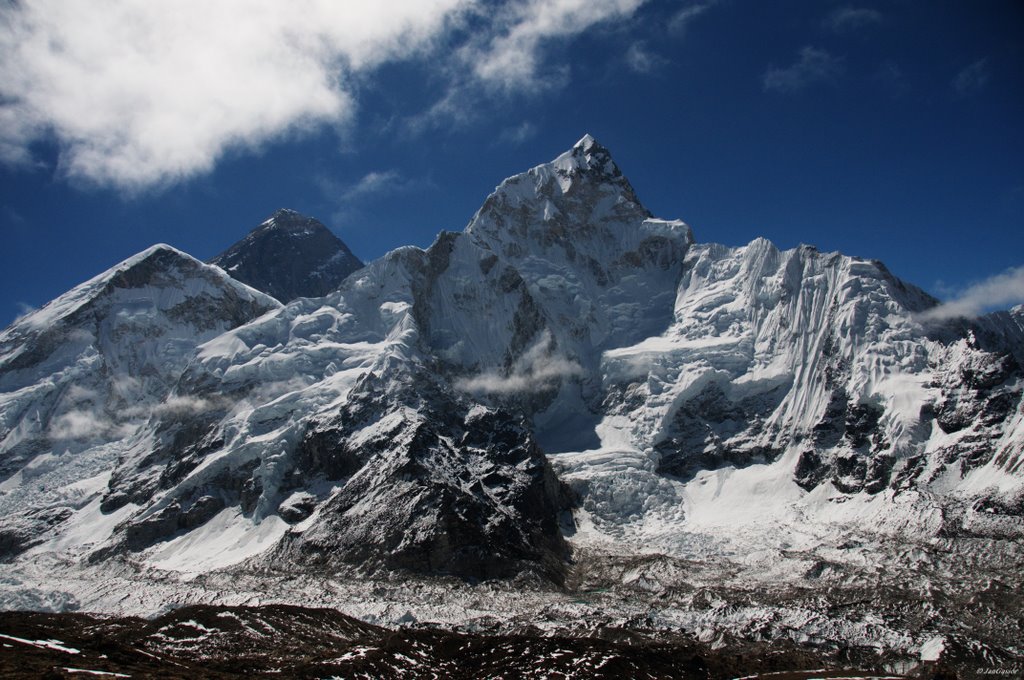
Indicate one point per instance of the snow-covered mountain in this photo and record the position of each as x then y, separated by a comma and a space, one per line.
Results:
569, 389
289, 256
79, 377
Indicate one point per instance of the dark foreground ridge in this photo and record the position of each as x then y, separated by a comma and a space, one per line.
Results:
295, 642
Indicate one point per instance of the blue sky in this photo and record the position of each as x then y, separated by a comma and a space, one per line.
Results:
891, 130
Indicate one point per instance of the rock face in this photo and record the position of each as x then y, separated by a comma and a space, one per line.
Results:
289, 256
568, 375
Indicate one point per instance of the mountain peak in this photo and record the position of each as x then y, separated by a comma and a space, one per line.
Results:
289, 255
578, 203
589, 157
286, 219
585, 142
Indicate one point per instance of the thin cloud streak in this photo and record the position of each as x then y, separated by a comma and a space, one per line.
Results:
847, 19
814, 66
680, 22
1002, 290
373, 183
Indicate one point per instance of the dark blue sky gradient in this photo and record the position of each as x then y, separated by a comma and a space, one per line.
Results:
884, 159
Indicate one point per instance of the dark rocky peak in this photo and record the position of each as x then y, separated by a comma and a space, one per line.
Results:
290, 256
292, 222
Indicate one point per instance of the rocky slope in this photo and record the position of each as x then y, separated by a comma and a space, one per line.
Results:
289, 256
238, 642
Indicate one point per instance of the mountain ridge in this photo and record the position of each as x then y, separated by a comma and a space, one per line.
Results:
566, 385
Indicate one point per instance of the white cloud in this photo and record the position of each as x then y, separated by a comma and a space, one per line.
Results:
846, 19
1000, 291
972, 79
537, 369
813, 66
141, 93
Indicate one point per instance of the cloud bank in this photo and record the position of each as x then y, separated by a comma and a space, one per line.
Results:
140, 94
999, 291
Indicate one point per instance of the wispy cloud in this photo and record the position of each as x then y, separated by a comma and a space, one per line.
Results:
641, 60
511, 58
518, 134
971, 79
814, 66
539, 368
350, 201
142, 94
1000, 291
680, 22
847, 19
24, 309
891, 77
13, 218
373, 183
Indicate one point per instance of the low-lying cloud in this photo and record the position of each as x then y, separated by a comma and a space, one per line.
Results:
81, 424
537, 370
1000, 291
88, 419
174, 406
